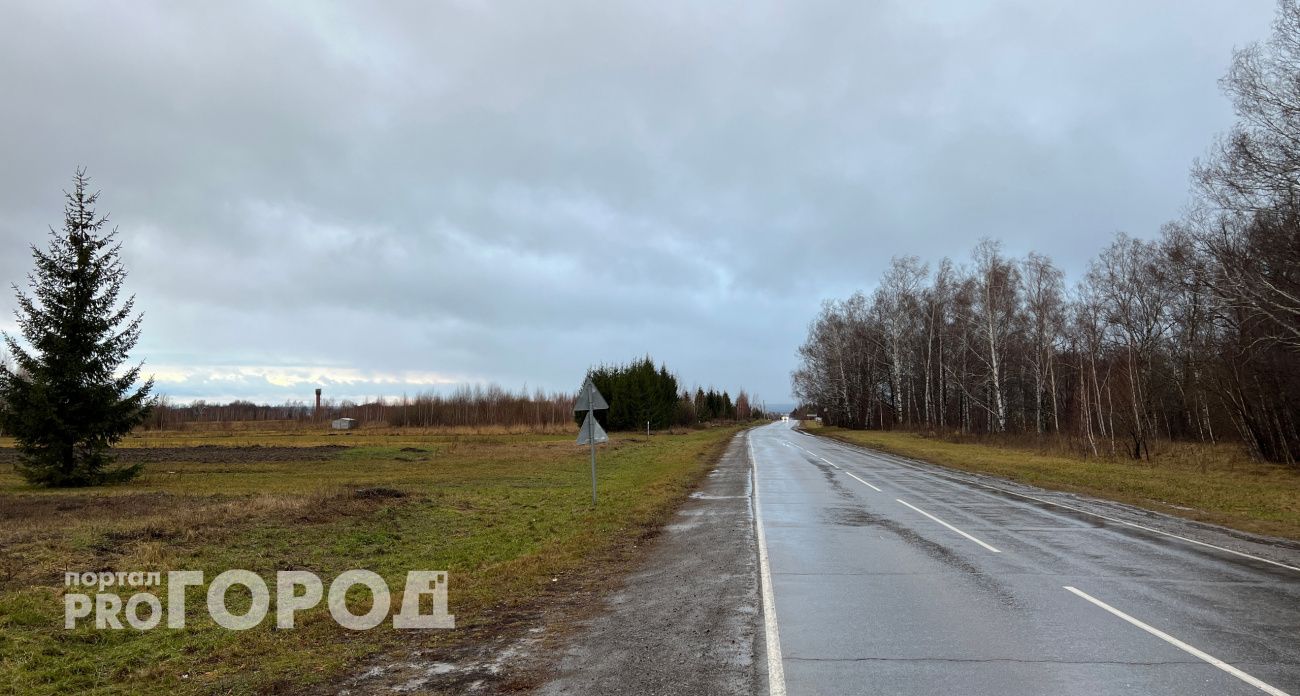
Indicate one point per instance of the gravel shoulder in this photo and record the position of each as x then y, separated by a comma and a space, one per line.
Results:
686, 619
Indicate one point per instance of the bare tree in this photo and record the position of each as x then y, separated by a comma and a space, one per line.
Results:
996, 301
1042, 284
1255, 167
896, 304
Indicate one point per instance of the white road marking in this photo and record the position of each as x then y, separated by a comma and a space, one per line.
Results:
936, 519
1266, 688
846, 471
775, 670
872, 487
1145, 528
1153, 530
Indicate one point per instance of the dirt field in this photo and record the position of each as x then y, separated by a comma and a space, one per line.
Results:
211, 454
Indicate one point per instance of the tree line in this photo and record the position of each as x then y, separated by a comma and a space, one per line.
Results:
466, 406
637, 392
640, 395
1192, 335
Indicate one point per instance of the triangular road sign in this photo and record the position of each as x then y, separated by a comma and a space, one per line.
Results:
589, 425
589, 398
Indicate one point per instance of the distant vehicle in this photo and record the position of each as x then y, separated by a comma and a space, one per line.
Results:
785, 418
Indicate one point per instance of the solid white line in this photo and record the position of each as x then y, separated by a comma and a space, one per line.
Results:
1142, 527
775, 670
918, 467
1182, 646
936, 519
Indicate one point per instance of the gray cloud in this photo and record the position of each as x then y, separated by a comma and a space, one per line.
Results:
407, 194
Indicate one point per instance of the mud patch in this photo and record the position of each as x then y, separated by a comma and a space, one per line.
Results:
377, 493
44, 506
480, 669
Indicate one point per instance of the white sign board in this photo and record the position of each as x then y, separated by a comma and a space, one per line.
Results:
589, 398
591, 429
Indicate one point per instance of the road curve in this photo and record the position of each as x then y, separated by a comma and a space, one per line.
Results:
880, 577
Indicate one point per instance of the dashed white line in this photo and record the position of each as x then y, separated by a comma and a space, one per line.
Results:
1262, 686
846, 471
775, 670
936, 519
855, 478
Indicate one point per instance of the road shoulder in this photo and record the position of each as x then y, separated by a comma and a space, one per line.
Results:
686, 619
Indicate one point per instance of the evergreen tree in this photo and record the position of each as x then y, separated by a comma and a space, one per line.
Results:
637, 393
62, 400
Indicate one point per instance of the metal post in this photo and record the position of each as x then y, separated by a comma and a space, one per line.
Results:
591, 413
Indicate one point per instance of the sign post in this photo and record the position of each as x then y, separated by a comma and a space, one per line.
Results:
590, 400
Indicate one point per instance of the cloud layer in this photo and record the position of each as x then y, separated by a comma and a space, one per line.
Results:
392, 197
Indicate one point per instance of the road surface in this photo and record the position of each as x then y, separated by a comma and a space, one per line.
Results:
882, 577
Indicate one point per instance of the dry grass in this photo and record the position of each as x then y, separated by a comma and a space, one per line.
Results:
505, 513
1211, 483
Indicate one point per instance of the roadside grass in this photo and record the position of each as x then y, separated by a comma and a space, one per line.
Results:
509, 515
1218, 483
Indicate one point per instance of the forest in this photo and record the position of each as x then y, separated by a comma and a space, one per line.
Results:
641, 395
1191, 335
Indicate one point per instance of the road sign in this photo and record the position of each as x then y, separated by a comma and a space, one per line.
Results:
590, 426
589, 398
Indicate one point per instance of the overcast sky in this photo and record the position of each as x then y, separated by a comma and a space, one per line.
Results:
390, 197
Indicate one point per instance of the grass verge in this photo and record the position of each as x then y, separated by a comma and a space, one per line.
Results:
1209, 483
509, 515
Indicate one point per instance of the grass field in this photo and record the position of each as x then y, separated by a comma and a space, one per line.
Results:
509, 515
1210, 483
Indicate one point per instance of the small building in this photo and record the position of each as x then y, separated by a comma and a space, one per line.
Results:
343, 423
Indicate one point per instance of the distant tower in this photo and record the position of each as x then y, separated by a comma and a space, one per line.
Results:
317, 400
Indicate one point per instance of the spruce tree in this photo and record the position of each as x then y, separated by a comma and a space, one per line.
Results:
64, 400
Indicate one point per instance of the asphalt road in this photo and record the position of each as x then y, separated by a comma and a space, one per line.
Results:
896, 579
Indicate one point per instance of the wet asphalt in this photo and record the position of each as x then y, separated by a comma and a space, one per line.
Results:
933, 584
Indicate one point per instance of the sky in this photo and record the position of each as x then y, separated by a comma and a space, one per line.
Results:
388, 198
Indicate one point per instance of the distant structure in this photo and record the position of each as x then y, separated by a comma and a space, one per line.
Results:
318, 399
343, 423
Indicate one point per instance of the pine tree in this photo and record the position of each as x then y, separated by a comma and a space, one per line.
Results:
64, 401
